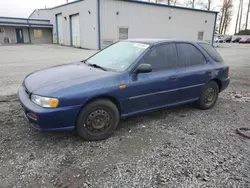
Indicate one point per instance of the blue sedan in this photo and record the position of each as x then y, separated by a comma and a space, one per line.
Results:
125, 79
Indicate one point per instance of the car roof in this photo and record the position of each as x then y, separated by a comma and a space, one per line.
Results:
153, 41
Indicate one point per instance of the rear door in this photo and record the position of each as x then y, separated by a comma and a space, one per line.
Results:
194, 71
157, 88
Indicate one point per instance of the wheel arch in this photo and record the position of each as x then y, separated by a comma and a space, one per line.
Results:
110, 98
218, 82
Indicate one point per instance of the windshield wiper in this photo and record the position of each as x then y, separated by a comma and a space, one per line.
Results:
97, 66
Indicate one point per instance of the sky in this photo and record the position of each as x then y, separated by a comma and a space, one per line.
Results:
23, 8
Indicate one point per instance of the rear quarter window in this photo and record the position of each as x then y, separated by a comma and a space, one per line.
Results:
212, 52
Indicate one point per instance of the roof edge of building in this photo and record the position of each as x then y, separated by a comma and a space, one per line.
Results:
27, 19
24, 24
170, 6
77, 1
38, 9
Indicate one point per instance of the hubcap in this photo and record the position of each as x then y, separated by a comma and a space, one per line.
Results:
98, 120
209, 95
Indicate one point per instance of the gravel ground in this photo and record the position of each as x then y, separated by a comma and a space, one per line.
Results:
177, 147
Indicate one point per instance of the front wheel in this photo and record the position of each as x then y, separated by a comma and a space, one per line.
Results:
209, 95
97, 120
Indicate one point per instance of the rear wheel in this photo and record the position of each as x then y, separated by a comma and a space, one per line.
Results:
98, 120
209, 95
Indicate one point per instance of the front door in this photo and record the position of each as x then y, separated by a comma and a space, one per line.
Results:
19, 36
158, 88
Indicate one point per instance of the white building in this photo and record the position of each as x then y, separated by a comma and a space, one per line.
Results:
94, 24
23, 30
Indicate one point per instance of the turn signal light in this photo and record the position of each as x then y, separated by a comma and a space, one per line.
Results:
122, 86
33, 115
54, 103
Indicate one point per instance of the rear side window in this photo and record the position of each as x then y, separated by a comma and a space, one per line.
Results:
189, 55
163, 57
211, 51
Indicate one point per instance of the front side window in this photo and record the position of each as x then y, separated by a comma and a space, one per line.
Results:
163, 57
118, 56
189, 55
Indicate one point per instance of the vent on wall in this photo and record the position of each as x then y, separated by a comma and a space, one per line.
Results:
123, 33
200, 35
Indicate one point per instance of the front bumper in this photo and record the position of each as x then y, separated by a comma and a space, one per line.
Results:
48, 119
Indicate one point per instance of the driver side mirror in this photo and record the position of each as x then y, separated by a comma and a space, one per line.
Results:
143, 68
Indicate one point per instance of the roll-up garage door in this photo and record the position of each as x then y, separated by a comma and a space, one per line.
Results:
59, 28
75, 30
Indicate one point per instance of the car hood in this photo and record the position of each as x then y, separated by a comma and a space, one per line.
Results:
62, 73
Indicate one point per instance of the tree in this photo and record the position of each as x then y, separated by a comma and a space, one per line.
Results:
225, 15
247, 15
237, 18
169, 2
241, 10
221, 17
206, 5
173, 2
244, 32
192, 3
228, 19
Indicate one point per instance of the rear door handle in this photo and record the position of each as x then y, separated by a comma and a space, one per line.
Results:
173, 78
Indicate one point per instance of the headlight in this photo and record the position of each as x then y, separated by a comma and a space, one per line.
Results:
45, 102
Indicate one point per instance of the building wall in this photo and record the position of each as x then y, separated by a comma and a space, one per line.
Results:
26, 35
150, 21
41, 13
45, 38
88, 23
10, 33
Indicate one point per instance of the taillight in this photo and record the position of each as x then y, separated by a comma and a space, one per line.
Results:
228, 73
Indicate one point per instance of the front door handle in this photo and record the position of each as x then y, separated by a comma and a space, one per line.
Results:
173, 78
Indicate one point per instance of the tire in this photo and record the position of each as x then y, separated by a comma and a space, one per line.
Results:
97, 120
205, 101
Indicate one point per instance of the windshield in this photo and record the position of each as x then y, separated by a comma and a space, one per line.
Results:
119, 56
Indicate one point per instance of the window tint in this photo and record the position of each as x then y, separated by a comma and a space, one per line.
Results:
162, 57
211, 51
189, 55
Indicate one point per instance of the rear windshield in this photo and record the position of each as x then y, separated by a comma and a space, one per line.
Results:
211, 51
